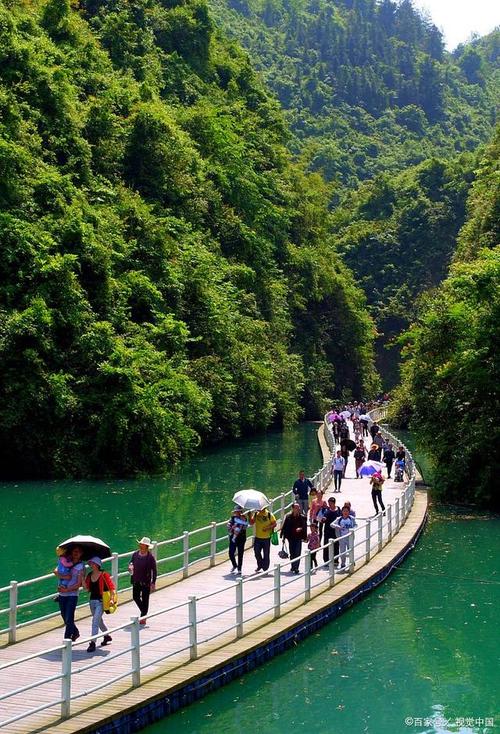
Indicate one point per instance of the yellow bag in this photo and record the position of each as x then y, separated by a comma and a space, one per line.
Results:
109, 602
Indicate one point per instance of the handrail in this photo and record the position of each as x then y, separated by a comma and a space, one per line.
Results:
367, 536
14, 606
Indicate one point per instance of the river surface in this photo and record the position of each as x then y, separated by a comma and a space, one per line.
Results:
36, 516
420, 654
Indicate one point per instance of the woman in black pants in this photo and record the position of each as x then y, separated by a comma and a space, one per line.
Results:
329, 515
142, 568
237, 529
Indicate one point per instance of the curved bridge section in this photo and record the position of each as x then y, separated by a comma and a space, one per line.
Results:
205, 627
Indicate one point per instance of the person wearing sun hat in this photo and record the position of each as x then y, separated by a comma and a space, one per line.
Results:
96, 582
142, 568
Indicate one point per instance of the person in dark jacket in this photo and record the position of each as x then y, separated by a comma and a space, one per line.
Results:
142, 569
359, 457
389, 457
301, 489
374, 453
374, 429
294, 530
237, 530
331, 514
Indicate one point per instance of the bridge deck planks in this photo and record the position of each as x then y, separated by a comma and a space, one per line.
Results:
218, 577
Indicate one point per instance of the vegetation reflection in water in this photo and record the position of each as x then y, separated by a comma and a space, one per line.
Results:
37, 515
422, 645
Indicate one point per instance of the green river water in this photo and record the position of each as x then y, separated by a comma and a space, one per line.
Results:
420, 654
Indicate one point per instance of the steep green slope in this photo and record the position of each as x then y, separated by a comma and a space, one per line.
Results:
450, 377
398, 234
367, 84
166, 272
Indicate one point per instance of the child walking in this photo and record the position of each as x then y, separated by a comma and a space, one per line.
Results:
313, 543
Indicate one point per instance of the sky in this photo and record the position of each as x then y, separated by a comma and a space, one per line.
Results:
457, 19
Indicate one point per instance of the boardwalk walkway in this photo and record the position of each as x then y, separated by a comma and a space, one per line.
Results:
258, 593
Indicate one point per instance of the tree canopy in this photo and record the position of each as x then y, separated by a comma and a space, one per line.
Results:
167, 273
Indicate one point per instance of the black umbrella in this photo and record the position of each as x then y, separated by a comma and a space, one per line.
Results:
348, 443
90, 546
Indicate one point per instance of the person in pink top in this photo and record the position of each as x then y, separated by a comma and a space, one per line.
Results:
313, 543
316, 504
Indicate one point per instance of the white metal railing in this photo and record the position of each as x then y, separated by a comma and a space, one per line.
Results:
184, 552
368, 538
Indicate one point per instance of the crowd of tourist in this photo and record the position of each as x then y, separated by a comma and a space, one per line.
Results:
313, 519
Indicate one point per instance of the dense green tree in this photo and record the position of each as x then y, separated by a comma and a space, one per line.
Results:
156, 245
450, 376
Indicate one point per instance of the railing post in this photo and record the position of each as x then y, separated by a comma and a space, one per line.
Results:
277, 590
193, 631
114, 569
379, 519
389, 521
402, 505
66, 679
307, 576
213, 542
135, 644
331, 561
239, 608
282, 507
13, 611
351, 551
154, 550
368, 529
396, 515
185, 549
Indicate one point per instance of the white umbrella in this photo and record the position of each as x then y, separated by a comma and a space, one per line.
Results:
346, 414
364, 417
251, 499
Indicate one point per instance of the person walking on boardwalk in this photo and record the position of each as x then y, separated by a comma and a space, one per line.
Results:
389, 457
264, 522
294, 530
328, 516
313, 543
343, 526
300, 490
96, 582
359, 457
237, 529
376, 482
142, 568
374, 453
68, 594
338, 466
374, 429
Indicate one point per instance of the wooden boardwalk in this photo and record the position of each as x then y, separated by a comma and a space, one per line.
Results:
211, 634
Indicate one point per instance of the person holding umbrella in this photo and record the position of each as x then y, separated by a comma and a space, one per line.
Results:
68, 593
377, 481
237, 529
264, 522
96, 582
143, 572
80, 548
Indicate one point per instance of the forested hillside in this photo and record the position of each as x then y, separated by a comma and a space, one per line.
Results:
398, 233
450, 377
367, 84
381, 110
167, 274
